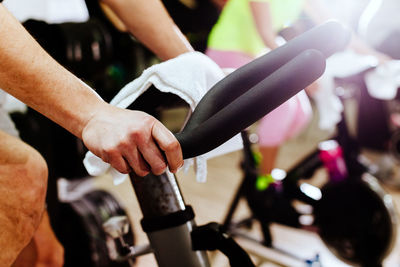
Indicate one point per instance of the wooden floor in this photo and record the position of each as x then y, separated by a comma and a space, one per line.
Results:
210, 201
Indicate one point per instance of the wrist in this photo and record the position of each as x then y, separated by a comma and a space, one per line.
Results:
88, 105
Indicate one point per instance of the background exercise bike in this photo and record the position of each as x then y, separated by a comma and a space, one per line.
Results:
351, 212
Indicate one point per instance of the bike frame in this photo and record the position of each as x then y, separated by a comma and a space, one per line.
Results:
167, 221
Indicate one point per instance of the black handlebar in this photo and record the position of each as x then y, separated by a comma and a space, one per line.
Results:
254, 90
253, 104
327, 38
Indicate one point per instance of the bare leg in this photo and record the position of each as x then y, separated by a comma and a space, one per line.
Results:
268, 159
44, 250
50, 251
23, 180
28, 256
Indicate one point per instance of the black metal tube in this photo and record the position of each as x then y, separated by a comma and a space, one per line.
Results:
157, 195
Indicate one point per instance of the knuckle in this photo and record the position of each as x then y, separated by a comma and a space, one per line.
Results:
137, 136
124, 168
172, 146
159, 168
148, 119
110, 152
123, 144
125, 171
117, 167
142, 173
134, 134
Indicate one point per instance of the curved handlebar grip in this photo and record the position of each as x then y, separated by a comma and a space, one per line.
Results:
268, 94
327, 38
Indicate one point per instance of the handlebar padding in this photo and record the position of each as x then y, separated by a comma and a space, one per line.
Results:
252, 105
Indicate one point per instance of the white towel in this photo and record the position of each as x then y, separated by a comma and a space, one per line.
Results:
348, 63
383, 82
51, 11
327, 103
189, 76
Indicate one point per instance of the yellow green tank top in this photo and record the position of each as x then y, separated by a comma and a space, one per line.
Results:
235, 29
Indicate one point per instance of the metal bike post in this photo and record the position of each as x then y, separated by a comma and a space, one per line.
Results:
167, 221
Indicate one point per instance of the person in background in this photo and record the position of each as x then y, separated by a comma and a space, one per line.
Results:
247, 29
128, 140
152, 26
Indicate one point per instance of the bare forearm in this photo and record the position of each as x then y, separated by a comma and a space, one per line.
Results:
30, 74
128, 140
262, 18
149, 21
317, 11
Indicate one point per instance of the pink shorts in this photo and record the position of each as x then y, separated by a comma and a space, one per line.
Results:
284, 122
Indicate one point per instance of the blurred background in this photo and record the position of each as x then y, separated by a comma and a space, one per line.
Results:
296, 213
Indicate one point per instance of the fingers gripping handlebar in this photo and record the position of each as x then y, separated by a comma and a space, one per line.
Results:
254, 90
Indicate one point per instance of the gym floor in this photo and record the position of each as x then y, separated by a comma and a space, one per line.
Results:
211, 200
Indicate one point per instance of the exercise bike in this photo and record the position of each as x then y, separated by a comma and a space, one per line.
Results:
230, 106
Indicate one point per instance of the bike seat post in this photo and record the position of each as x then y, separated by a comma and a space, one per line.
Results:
167, 221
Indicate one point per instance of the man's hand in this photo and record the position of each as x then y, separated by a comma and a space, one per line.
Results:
132, 141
